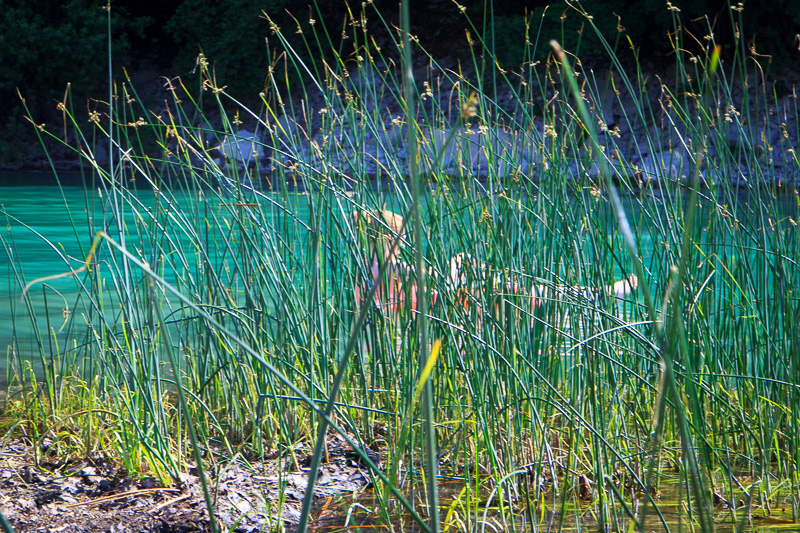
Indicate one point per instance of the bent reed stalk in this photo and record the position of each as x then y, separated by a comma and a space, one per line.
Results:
260, 291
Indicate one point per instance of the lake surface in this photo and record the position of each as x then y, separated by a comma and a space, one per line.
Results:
39, 240
49, 230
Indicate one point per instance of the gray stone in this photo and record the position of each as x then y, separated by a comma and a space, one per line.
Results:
669, 164
476, 153
243, 147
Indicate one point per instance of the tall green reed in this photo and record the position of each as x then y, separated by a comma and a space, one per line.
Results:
258, 285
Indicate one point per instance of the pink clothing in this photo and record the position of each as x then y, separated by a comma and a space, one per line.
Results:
465, 282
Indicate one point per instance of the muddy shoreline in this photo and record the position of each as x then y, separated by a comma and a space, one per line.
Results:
92, 494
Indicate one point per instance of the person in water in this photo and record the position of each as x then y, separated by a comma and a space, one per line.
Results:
383, 234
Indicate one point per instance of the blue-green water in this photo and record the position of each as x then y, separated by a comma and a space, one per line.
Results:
38, 240
49, 230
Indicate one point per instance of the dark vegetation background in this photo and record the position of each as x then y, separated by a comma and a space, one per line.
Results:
47, 44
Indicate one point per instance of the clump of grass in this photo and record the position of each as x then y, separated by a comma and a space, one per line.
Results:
590, 398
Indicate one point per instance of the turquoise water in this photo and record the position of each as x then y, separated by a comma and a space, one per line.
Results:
38, 240
49, 230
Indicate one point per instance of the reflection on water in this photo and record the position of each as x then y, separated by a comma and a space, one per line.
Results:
551, 515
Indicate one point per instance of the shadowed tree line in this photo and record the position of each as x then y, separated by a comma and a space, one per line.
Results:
48, 44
